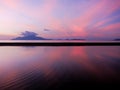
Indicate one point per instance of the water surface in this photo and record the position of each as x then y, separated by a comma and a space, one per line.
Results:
27, 68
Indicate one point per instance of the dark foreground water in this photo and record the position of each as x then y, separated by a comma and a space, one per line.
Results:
32, 68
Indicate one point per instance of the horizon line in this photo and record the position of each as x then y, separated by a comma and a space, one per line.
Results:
108, 43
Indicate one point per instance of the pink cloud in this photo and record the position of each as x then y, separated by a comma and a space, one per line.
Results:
94, 16
113, 27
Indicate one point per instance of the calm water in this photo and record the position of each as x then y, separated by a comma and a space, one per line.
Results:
27, 68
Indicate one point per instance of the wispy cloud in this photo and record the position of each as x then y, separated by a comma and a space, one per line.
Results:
66, 18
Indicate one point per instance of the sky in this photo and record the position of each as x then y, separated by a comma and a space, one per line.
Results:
88, 19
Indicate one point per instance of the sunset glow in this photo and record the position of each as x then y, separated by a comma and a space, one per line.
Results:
88, 19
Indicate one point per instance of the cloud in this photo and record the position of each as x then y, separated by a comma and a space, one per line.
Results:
28, 33
47, 30
66, 18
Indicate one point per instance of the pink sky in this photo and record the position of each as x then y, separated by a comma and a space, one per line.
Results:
96, 19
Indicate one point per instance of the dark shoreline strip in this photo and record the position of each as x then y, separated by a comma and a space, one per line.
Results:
59, 43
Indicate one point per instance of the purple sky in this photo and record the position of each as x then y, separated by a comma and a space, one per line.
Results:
90, 19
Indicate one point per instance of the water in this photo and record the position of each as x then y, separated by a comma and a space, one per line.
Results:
27, 68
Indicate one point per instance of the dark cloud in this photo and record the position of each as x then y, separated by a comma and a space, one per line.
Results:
46, 29
28, 33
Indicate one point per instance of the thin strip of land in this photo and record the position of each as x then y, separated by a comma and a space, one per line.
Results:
59, 43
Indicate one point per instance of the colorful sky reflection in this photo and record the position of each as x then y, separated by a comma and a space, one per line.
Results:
89, 19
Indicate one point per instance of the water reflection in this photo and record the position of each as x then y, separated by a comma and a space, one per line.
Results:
44, 67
